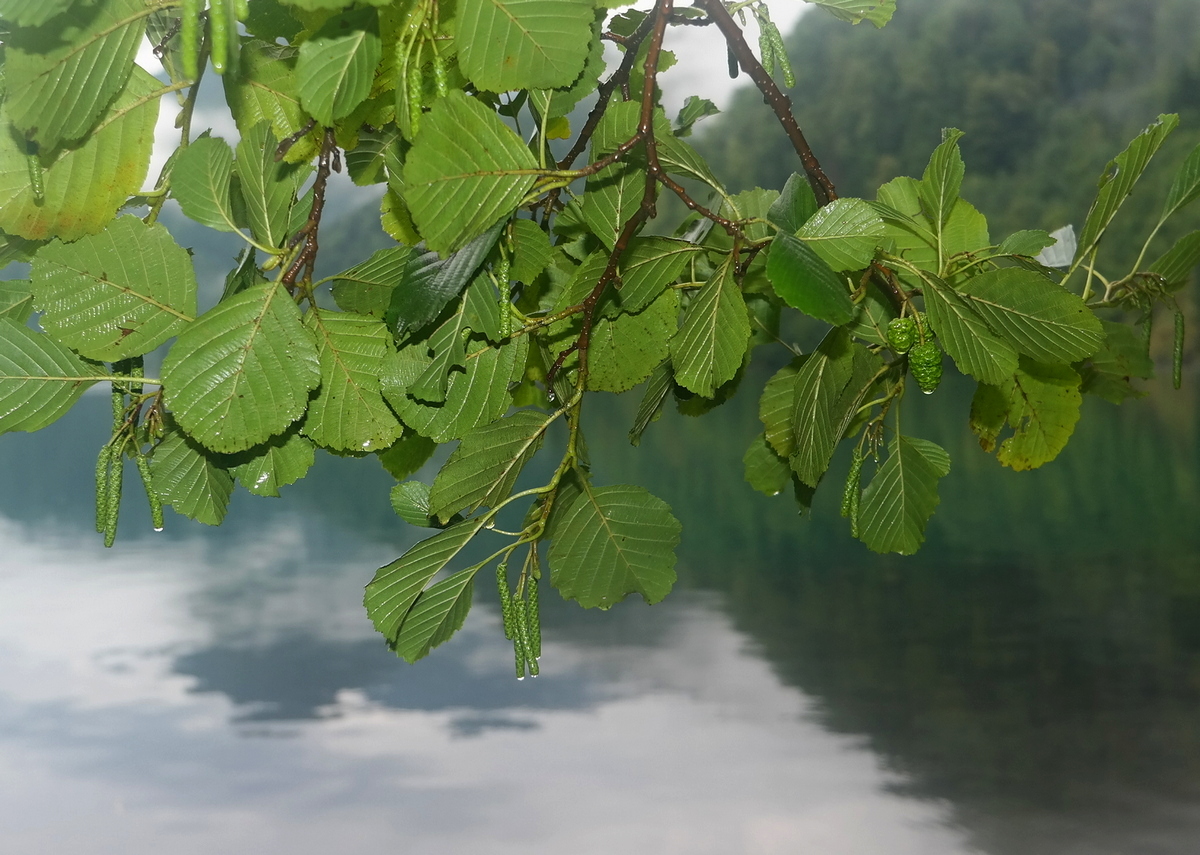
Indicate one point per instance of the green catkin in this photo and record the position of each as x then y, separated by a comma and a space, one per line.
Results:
767, 49
506, 605
523, 640
1177, 352
36, 179
415, 96
440, 84
113, 508
103, 462
218, 25
502, 273
853, 482
1147, 332
535, 622
241, 9
156, 505
780, 54
189, 37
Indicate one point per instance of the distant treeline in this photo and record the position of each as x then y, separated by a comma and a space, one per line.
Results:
1048, 91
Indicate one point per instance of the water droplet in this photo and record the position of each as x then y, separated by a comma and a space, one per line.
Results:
262, 479
367, 444
520, 678
927, 391
534, 676
158, 528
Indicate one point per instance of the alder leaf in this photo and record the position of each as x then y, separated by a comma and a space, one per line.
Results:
410, 501
83, 186
612, 196
897, 504
878, 12
805, 282
59, 79
264, 89
32, 13
975, 349
845, 234
818, 387
777, 405
117, 294
390, 595
795, 205
186, 478
1040, 402
431, 282
280, 461
465, 171
200, 183
1175, 266
337, 65
367, 288
40, 378
485, 466
16, 299
943, 179
647, 267
348, 412
268, 187
625, 349
523, 44
407, 455
438, 613
242, 372
709, 347
766, 471
609, 542
1041, 318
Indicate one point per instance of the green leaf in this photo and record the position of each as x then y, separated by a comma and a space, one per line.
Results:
337, 65
766, 471
1027, 243
431, 282
268, 187
186, 478
1119, 178
805, 282
613, 541
61, 78
612, 196
39, 378
1041, 318
466, 171
407, 455
693, 110
242, 372
776, 406
523, 44
117, 294
658, 387
818, 388
1176, 264
795, 205
367, 288
85, 185
1185, 189
476, 396
624, 350
264, 89
845, 234
485, 466
709, 347
943, 179
531, 251
647, 267
348, 412
438, 613
902, 496
1040, 402
280, 461
975, 349
32, 13
878, 12
200, 183
16, 299
448, 350
481, 309
410, 501
391, 594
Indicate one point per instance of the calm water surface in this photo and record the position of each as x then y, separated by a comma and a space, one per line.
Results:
1029, 684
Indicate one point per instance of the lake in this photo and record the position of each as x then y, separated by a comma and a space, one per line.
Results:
1029, 683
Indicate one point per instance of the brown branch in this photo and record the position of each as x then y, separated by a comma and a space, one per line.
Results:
329, 160
778, 102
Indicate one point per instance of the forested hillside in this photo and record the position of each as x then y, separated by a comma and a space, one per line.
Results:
1047, 91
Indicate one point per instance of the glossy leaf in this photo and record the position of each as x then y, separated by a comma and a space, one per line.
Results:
818, 388
264, 89
242, 372
709, 347
613, 541
613, 195
647, 267
845, 234
438, 613
466, 171
407, 455
16, 299
624, 350
61, 78
1175, 266
390, 595
1185, 188
367, 288
32, 13
878, 12
795, 205
765, 470
200, 183
40, 378
348, 412
85, 185
902, 496
410, 501
485, 466
186, 478
943, 179
117, 294
1028, 243
268, 187
431, 282
280, 461
1040, 402
336, 66
805, 282
776, 407
658, 387
1042, 319
523, 44
975, 349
